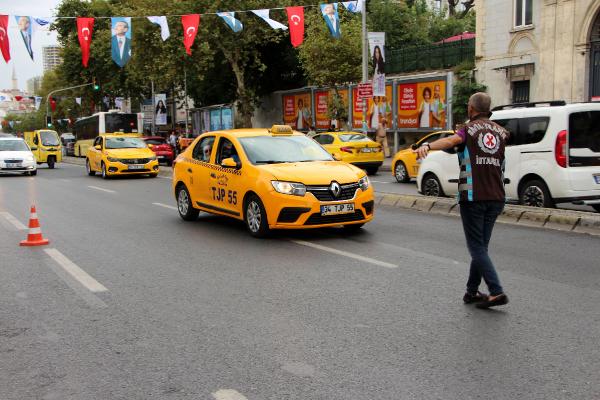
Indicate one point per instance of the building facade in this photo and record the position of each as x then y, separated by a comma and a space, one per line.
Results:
51, 56
34, 84
538, 50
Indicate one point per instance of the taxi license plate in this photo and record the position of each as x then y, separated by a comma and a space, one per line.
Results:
161, 157
333, 209
597, 178
365, 150
136, 167
13, 165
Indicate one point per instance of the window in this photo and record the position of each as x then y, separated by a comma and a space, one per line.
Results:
523, 13
227, 150
584, 139
203, 149
520, 91
524, 130
324, 139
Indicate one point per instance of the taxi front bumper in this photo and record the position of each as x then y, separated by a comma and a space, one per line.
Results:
122, 168
304, 212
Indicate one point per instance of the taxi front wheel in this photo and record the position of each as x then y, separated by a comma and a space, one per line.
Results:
184, 205
256, 217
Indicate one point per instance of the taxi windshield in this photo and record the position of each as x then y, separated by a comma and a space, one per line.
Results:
125, 143
283, 149
49, 138
13, 145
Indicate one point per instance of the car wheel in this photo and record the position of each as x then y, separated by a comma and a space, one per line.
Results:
372, 170
353, 227
153, 175
51, 162
431, 186
256, 217
596, 207
535, 193
184, 205
88, 168
104, 173
401, 173
33, 173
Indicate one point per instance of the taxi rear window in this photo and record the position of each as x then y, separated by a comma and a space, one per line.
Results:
354, 137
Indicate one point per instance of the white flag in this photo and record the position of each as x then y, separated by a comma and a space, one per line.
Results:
264, 14
353, 6
78, 100
38, 102
164, 26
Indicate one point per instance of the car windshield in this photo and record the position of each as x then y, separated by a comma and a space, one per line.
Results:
354, 137
13, 145
49, 138
125, 143
155, 141
282, 149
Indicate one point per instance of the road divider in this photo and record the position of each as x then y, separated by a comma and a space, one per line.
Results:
549, 218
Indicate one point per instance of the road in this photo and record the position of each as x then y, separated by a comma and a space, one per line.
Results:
155, 307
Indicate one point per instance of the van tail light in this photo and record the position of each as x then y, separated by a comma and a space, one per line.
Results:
560, 149
347, 149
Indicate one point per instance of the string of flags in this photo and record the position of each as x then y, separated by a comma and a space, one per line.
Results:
122, 32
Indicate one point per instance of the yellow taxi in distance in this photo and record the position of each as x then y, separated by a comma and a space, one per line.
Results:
404, 163
354, 148
120, 154
271, 179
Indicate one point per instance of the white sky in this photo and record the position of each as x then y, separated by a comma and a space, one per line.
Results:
19, 57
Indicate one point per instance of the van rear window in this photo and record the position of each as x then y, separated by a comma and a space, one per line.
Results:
584, 139
524, 130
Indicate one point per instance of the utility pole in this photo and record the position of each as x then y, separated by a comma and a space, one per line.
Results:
153, 105
61, 90
365, 62
186, 100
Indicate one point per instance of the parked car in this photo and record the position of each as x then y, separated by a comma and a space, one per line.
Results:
405, 165
162, 149
552, 156
67, 139
354, 148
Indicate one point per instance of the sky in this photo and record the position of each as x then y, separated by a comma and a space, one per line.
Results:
19, 57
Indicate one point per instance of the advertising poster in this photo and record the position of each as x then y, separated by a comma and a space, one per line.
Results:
322, 98
160, 109
379, 110
215, 119
296, 111
377, 52
422, 105
226, 118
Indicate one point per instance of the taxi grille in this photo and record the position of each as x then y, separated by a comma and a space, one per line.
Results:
322, 193
318, 219
13, 161
134, 160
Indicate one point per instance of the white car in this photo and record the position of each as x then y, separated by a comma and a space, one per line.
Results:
16, 156
552, 156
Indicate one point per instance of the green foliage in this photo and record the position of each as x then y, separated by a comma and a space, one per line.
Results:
336, 109
465, 85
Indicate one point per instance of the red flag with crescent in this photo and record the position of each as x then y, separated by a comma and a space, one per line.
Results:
190, 24
296, 23
4, 43
85, 28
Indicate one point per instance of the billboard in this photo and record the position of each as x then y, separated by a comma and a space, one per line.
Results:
322, 98
296, 110
379, 110
422, 105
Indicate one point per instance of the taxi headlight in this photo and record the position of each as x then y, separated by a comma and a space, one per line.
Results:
112, 159
296, 189
29, 158
364, 183
152, 158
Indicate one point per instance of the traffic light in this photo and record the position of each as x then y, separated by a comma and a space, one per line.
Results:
48, 121
95, 85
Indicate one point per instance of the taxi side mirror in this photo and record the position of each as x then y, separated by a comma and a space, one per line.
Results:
337, 157
231, 163
33, 148
35, 140
98, 147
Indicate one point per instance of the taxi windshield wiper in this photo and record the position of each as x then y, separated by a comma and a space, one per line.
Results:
270, 162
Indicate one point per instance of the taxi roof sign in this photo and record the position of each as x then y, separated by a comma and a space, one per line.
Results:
281, 130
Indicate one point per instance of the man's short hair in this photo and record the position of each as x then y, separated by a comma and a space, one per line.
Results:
480, 102
122, 22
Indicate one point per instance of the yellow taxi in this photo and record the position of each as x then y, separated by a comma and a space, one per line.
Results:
404, 163
45, 146
119, 154
271, 179
354, 148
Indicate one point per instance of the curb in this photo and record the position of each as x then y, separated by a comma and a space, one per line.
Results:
547, 218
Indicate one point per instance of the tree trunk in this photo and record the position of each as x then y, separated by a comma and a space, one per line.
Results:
246, 107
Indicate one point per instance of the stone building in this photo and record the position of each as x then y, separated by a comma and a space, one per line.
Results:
538, 50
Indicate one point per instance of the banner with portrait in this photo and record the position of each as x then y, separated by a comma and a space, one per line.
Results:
377, 53
297, 111
121, 40
422, 105
322, 100
160, 109
379, 110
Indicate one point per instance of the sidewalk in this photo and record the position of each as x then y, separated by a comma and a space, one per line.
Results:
387, 164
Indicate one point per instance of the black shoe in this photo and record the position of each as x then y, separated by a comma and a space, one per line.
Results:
478, 297
499, 300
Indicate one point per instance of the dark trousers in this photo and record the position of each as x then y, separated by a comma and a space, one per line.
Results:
478, 220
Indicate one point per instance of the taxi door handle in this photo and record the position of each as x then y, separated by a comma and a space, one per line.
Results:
190, 170
212, 175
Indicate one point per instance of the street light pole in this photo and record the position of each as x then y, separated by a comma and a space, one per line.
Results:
186, 100
61, 90
153, 105
365, 62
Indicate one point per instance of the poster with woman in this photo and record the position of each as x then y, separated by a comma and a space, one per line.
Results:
296, 111
378, 108
377, 51
160, 109
422, 105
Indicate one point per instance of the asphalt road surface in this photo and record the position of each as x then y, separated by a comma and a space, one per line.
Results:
130, 302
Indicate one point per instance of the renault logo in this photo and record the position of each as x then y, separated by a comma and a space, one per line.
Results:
335, 189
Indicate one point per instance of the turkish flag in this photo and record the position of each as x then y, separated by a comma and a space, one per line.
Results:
18, 98
190, 24
4, 44
52, 104
296, 23
85, 28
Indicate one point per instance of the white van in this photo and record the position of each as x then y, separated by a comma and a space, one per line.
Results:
552, 156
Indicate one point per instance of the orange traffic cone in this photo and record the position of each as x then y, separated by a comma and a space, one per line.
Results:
34, 237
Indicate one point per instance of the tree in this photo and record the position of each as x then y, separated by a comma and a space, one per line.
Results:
464, 87
467, 4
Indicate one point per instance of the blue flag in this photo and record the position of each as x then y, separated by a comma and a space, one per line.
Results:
229, 18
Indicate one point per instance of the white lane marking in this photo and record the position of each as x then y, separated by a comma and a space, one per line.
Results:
65, 180
17, 224
165, 206
228, 394
164, 177
379, 181
80, 275
345, 254
102, 189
